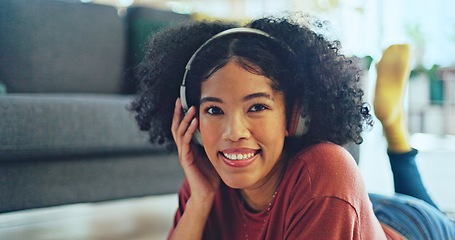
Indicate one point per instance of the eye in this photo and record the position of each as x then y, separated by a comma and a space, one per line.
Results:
258, 107
213, 110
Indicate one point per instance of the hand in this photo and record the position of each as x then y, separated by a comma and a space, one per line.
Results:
200, 174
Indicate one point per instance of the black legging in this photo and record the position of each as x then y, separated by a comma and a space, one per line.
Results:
406, 176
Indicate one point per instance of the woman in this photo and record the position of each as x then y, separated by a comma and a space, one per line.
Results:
265, 110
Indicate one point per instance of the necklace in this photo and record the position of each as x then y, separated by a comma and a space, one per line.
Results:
266, 218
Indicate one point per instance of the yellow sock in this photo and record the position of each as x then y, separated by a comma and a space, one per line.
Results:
392, 74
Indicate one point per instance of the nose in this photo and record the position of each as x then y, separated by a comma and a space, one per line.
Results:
236, 128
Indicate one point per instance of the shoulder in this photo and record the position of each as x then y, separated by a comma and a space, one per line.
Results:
327, 157
326, 149
325, 170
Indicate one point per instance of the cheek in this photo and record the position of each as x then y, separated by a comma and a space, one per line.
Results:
275, 123
272, 130
210, 134
210, 131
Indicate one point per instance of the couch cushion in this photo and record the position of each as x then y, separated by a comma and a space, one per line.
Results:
54, 46
53, 125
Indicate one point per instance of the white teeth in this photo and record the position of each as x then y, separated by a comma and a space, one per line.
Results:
238, 156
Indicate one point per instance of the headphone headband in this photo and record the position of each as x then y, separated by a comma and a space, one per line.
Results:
218, 35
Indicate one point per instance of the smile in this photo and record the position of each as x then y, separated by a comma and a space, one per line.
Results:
239, 160
238, 156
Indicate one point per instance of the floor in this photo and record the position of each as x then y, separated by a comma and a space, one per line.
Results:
150, 217
135, 219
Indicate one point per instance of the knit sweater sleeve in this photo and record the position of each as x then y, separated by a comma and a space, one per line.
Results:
183, 196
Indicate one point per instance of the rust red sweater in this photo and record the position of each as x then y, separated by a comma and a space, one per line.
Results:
321, 196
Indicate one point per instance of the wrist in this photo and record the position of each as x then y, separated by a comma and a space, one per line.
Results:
201, 204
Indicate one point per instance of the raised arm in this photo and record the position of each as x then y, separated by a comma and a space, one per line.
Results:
202, 178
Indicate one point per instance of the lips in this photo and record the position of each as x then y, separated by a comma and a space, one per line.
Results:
239, 159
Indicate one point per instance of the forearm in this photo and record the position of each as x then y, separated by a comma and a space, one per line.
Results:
191, 224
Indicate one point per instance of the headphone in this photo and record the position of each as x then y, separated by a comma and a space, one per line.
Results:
299, 120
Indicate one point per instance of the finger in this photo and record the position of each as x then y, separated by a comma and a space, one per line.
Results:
176, 118
185, 144
184, 124
190, 131
186, 151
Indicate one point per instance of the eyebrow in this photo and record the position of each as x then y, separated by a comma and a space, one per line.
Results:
258, 95
246, 98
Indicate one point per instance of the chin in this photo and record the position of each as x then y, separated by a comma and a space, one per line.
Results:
237, 183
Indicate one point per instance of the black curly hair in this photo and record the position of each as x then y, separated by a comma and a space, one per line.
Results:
302, 63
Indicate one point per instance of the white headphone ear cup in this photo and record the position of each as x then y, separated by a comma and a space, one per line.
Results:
299, 122
302, 125
196, 135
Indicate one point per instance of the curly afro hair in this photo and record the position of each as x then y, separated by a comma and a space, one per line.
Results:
302, 63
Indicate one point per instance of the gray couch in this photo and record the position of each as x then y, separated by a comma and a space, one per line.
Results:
65, 133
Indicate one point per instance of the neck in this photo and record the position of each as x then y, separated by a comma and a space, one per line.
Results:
258, 198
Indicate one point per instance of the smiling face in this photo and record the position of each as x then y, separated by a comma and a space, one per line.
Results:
242, 121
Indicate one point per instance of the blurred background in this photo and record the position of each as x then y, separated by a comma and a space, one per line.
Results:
365, 28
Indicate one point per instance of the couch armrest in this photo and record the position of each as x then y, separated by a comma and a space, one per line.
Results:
57, 125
